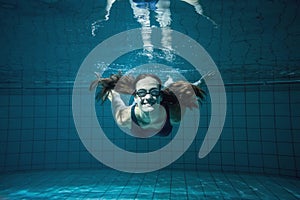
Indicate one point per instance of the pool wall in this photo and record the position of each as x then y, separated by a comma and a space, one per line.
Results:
261, 132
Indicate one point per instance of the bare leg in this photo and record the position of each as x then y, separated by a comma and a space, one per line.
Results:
163, 17
142, 16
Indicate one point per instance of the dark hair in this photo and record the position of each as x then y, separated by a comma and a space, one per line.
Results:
126, 85
142, 76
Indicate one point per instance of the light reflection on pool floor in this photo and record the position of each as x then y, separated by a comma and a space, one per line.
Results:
164, 184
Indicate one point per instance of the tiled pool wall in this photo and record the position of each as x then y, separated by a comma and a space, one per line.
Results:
261, 132
46, 43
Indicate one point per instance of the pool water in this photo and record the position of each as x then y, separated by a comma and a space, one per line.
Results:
163, 184
254, 45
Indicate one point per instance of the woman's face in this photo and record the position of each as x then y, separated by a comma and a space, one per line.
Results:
147, 95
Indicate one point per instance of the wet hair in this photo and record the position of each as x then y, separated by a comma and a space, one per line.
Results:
142, 76
180, 93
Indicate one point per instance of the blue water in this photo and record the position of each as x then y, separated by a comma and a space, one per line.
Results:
254, 45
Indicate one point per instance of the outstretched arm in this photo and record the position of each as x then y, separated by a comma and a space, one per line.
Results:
108, 90
121, 112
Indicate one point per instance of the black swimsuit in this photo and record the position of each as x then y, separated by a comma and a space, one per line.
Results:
136, 129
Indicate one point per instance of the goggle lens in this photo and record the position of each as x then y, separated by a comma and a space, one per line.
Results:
142, 92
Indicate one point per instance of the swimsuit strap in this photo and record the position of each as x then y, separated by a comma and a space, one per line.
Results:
167, 128
133, 116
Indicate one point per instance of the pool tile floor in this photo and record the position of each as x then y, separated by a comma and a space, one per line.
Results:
163, 184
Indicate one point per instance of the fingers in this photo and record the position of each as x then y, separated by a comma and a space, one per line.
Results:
209, 74
97, 75
94, 84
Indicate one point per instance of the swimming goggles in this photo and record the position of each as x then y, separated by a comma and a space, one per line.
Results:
142, 92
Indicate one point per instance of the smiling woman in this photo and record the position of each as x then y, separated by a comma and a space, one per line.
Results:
155, 109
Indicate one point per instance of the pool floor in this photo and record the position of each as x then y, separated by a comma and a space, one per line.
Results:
163, 184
